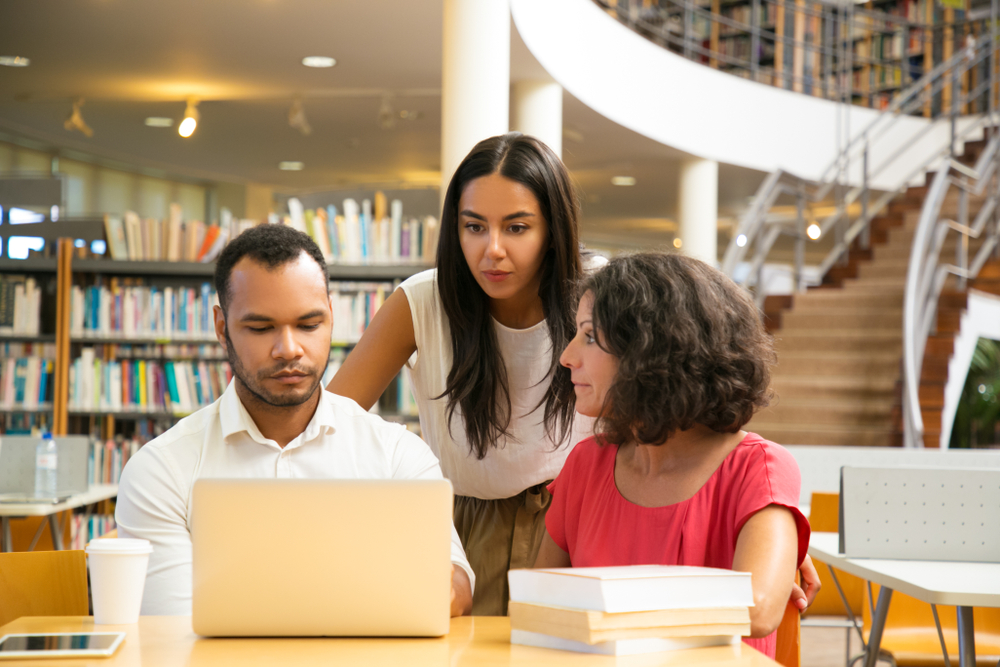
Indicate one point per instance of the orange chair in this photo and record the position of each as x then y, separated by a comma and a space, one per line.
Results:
788, 651
42, 583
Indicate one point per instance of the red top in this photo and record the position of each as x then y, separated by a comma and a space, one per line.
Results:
591, 521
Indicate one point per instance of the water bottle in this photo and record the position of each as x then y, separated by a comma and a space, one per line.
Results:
46, 467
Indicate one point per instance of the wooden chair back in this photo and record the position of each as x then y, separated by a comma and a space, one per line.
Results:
789, 640
824, 517
42, 583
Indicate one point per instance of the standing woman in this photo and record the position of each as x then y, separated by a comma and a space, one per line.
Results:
481, 336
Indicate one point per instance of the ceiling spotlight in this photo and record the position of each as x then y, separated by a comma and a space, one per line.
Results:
624, 181
297, 118
191, 118
741, 240
813, 231
386, 116
76, 122
291, 166
159, 121
678, 243
318, 61
14, 61
411, 115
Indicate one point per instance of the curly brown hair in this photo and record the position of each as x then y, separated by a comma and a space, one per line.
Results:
691, 346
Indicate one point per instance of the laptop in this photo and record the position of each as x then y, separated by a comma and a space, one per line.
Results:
331, 558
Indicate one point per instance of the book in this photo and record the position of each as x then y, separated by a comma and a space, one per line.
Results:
114, 229
632, 587
592, 627
620, 646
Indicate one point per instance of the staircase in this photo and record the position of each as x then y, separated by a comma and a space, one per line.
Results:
839, 345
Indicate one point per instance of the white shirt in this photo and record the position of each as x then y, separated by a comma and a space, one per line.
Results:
519, 462
341, 441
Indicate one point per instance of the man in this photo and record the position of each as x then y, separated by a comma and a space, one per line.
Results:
274, 420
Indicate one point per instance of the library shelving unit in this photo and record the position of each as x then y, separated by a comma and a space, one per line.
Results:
126, 357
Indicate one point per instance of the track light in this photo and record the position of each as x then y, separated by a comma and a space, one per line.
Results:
297, 118
76, 122
814, 231
191, 118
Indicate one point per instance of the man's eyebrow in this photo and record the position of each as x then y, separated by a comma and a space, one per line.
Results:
257, 317
520, 214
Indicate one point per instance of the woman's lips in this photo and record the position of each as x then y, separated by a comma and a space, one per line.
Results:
496, 276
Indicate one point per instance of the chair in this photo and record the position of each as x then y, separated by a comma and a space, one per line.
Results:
788, 651
827, 610
43, 583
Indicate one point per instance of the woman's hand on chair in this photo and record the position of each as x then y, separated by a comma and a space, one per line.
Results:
803, 596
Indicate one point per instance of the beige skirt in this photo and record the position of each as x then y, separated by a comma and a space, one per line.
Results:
500, 535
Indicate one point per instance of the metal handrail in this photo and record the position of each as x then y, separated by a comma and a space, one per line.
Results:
927, 273
856, 206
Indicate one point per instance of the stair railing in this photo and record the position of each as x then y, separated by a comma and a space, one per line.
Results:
928, 272
853, 207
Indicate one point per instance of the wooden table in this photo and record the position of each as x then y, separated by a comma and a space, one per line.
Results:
95, 494
962, 585
480, 641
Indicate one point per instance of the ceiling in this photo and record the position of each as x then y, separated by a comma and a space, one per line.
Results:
242, 59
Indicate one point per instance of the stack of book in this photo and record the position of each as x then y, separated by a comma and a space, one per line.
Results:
629, 610
20, 304
367, 233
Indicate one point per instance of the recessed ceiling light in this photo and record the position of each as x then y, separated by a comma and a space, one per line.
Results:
14, 61
290, 166
159, 121
318, 61
623, 180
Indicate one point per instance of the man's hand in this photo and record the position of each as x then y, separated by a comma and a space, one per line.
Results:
803, 596
461, 592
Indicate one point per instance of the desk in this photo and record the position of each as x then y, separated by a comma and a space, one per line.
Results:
480, 641
962, 585
95, 494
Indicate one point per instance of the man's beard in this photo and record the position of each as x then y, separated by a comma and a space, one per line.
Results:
255, 385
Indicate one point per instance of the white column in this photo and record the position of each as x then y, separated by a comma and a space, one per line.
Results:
698, 209
538, 111
475, 86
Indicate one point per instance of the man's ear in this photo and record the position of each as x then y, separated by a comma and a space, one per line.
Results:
220, 326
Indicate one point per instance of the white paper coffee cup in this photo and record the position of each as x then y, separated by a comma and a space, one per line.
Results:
117, 577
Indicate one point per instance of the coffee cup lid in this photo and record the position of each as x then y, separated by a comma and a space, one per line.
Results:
121, 545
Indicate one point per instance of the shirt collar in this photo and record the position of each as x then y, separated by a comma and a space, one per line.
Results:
234, 418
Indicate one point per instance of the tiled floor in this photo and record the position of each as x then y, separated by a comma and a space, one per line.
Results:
826, 647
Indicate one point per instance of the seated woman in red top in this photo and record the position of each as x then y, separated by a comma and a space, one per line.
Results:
672, 358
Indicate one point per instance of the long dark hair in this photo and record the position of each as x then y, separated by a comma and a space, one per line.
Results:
477, 381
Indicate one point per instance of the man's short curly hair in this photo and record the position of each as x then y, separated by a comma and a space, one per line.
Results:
267, 244
691, 346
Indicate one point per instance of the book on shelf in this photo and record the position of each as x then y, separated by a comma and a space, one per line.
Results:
107, 458
27, 372
360, 234
132, 238
144, 386
621, 646
629, 609
120, 310
86, 527
354, 306
20, 305
632, 587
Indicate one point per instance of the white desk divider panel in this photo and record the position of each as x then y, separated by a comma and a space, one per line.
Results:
17, 464
820, 465
920, 514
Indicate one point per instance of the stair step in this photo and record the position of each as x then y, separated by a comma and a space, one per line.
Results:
873, 340
861, 436
841, 298
838, 364
883, 269
848, 412
842, 318
790, 388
